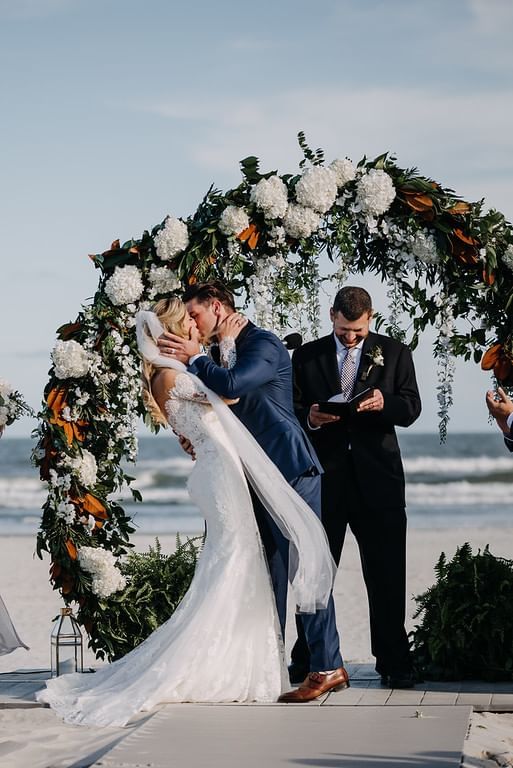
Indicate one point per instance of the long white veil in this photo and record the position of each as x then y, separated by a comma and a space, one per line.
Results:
311, 566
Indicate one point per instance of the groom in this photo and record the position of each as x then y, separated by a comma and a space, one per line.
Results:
261, 379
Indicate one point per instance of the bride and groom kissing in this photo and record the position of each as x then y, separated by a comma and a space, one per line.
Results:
257, 481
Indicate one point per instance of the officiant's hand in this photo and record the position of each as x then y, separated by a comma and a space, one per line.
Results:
373, 403
317, 418
179, 348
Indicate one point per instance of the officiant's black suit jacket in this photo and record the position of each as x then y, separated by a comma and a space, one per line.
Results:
371, 436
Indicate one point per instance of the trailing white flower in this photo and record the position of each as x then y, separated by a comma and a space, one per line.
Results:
172, 239
233, 220
300, 222
83, 467
394, 297
507, 257
101, 564
271, 196
163, 280
446, 364
125, 285
344, 171
424, 248
261, 292
317, 189
70, 359
375, 192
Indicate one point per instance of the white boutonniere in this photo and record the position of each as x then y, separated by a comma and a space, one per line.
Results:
375, 358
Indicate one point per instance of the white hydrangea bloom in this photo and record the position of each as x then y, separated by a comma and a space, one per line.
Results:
101, 564
83, 467
507, 257
233, 221
271, 196
300, 222
125, 285
375, 192
344, 171
162, 280
424, 248
172, 239
70, 359
317, 189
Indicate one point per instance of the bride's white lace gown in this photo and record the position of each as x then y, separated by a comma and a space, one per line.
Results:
223, 643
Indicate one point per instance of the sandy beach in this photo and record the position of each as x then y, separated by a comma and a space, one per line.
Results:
32, 605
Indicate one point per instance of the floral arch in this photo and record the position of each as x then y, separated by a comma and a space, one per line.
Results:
443, 259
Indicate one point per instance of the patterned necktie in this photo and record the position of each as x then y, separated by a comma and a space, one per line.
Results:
348, 375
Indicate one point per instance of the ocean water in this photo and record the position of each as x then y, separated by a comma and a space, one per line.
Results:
465, 482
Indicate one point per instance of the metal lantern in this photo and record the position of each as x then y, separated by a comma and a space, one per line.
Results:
66, 645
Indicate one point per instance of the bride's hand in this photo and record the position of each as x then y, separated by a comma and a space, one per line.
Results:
231, 326
179, 348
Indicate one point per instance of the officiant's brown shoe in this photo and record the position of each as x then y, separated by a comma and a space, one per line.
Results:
315, 684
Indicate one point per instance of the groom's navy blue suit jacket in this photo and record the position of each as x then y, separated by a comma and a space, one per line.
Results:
262, 379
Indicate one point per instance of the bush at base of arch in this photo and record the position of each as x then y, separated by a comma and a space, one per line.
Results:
444, 260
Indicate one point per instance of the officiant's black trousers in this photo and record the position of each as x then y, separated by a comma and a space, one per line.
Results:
380, 532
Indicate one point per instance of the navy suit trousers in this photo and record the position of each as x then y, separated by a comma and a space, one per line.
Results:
319, 629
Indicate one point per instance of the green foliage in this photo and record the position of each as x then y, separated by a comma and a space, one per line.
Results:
466, 629
156, 583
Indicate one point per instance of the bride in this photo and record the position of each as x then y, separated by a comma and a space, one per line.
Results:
223, 643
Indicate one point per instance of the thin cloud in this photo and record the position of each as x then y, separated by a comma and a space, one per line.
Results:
32, 9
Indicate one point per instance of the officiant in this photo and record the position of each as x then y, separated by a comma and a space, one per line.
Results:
363, 482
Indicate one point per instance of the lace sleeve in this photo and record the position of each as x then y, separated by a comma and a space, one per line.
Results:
187, 389
227, 352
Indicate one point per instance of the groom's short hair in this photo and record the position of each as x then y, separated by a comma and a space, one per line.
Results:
352, 302
204, 293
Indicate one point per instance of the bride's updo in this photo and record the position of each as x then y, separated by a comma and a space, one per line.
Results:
173, 316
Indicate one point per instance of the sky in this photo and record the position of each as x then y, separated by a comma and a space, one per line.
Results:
116, 113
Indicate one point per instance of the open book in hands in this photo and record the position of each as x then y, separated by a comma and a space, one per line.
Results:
338, 407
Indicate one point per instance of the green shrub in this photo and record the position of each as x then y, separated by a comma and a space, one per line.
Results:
467, 619
156, 583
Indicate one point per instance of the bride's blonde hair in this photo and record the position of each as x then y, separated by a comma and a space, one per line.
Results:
173, 316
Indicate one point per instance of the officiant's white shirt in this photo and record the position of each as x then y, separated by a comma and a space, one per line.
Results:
343, 351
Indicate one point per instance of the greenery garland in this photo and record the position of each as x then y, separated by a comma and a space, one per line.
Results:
444, 259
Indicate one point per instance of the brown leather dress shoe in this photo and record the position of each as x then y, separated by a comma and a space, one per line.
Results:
315, 684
